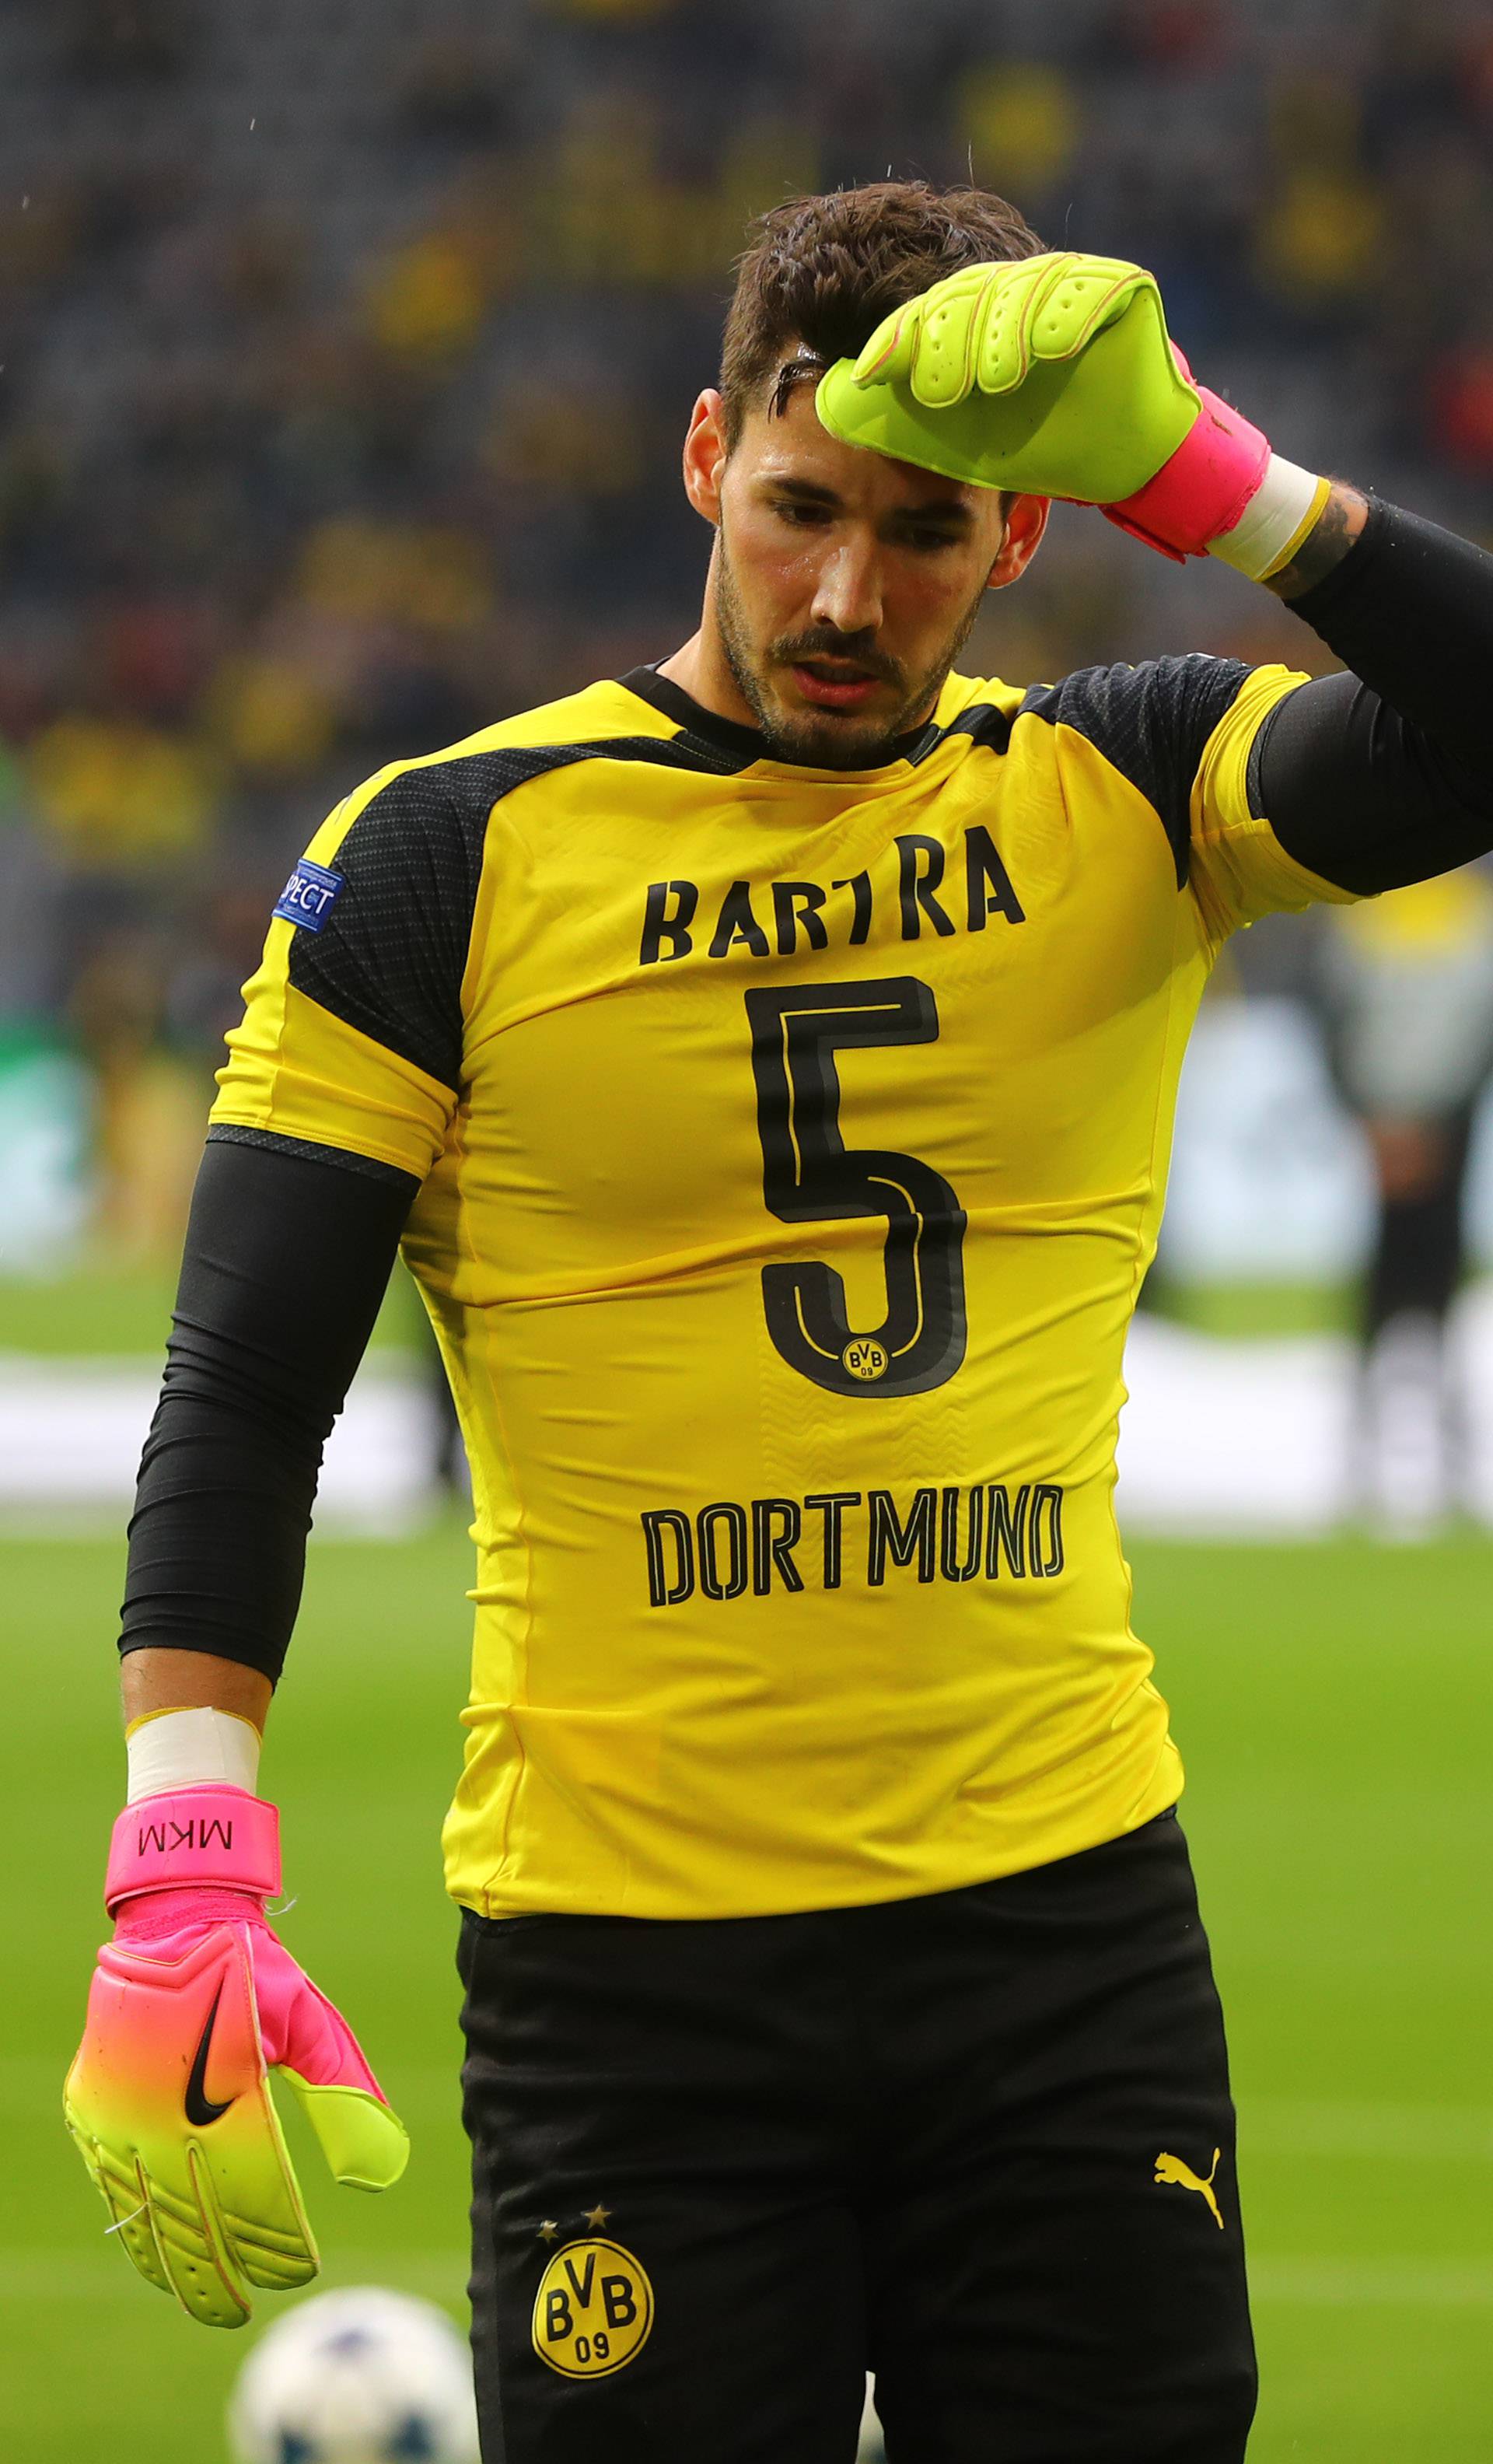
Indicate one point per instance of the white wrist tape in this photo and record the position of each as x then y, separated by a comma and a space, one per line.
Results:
183, 1749
1274, 522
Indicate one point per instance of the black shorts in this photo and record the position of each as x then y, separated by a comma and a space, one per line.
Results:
980, 2144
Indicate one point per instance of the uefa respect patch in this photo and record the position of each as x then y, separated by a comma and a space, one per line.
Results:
309, 896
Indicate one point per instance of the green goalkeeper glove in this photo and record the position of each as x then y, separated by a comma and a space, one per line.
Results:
1053, 376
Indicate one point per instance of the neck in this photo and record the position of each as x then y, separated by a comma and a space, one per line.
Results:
700, 668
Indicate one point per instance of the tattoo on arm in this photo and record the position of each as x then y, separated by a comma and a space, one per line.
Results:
1324, 545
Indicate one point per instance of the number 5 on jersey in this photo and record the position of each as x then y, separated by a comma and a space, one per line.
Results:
809, 1175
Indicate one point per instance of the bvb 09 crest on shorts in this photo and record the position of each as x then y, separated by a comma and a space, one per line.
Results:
593, 2310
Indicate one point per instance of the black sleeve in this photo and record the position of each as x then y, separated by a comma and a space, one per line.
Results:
1385, 776
288, 1253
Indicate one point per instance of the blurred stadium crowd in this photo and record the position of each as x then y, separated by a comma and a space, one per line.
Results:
346, 351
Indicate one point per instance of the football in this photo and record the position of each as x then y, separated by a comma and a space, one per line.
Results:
359, 2377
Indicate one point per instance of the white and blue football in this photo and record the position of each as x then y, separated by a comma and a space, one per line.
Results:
363, 2377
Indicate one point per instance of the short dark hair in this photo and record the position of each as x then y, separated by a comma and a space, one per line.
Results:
824, 270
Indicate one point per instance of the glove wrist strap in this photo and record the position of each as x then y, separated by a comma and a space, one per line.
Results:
215, 1836
1204, 488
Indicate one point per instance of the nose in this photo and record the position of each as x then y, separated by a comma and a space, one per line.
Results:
848, 594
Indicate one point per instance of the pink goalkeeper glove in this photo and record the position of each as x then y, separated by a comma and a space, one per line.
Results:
193, 2003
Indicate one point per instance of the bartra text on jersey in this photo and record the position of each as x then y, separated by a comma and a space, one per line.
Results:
840, 913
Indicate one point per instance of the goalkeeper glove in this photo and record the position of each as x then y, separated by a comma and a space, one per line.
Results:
1055, 376
193, 2003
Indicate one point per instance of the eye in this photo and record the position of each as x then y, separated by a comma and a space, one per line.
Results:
801, 517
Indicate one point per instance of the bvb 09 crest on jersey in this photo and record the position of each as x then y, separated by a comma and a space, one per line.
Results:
593, 2310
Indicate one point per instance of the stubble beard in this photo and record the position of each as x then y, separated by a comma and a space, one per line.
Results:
824, 742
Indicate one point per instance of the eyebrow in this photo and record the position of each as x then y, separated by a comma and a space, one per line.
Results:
948, 510
807, 492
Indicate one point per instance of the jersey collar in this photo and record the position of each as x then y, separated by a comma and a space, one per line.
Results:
748, 744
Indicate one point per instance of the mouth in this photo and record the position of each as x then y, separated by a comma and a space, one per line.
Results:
831, 684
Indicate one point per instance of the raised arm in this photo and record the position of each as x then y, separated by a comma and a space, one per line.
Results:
1055, 375
1384, 776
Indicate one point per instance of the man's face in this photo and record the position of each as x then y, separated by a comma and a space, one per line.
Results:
843, 584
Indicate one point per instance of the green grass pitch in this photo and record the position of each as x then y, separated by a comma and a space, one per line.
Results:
1333, 1705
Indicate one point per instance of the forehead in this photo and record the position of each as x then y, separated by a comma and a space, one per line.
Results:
793, 444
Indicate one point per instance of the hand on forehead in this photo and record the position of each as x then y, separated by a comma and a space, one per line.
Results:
792, 444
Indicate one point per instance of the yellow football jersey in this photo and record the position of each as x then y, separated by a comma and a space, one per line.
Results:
791, 1146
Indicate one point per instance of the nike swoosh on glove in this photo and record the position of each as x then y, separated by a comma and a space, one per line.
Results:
193, 2004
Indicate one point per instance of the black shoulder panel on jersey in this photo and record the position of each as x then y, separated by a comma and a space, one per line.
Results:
1152, 723
390, 956
984, 722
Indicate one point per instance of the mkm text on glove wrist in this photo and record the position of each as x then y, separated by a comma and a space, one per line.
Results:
210, 1834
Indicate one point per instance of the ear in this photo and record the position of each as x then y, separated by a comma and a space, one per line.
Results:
1026, 520
705, 455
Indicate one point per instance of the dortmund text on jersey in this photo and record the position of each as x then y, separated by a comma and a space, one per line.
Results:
792, 1146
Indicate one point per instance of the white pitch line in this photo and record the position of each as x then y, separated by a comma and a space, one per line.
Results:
63, 2275
1422, 2133
1268, 2126
36, 2080
1369, 2283
1303, 2283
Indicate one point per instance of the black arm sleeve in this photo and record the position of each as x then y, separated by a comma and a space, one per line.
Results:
287, 1257
1385, 776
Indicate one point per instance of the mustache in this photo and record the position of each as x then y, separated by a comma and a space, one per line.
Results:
856, 649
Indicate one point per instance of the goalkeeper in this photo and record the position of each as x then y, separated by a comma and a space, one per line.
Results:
766, 1059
